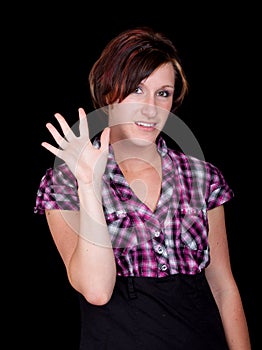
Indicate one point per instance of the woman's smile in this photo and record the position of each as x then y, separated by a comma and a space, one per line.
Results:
146, 126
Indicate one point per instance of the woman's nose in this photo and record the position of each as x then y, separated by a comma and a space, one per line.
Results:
149, 109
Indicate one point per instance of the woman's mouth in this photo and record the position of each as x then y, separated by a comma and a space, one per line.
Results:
146, 126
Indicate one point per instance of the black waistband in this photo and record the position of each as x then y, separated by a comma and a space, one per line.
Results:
135, 282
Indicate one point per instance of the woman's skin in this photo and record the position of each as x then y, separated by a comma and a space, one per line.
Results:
82, 238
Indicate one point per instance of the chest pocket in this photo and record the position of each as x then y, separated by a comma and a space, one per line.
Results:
190, 228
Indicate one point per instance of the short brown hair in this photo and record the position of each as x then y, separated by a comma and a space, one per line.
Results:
128, 59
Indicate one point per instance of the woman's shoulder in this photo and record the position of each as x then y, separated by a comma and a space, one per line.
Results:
191, 162
59, 174
201, 174
57, 190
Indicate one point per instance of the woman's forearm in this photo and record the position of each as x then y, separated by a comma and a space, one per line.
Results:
234, 320
92, 268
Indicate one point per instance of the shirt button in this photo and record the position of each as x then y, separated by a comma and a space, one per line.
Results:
121, 213
163, 267
160, 250
157, 233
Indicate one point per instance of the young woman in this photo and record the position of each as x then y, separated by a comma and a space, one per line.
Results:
140, 226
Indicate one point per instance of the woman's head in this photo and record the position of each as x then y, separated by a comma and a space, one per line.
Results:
130, 58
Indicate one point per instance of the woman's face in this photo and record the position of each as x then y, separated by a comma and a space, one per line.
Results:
142, 114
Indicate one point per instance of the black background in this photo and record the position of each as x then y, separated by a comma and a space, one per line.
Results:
53, 50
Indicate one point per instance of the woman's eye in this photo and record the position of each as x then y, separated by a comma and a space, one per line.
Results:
138, 90
164, 93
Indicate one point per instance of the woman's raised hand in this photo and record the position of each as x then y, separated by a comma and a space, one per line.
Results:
83, 159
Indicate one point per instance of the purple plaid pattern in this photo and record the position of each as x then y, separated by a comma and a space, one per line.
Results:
172, 239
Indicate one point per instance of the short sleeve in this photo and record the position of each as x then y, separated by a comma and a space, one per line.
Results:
219, 190
57, 190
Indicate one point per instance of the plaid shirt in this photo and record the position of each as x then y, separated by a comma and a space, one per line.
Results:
172, 239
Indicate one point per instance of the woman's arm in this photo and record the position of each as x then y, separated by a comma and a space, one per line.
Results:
82, 238
223, 284
90, 264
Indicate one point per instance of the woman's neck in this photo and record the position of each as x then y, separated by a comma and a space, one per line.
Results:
133, 158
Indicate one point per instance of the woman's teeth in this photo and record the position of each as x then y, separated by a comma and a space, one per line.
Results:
147, 125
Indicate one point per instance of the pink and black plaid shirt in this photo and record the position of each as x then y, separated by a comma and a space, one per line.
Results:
174, 238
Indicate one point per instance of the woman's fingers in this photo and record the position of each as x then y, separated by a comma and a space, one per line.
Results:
83, 125
78, 151
68, 133
56, 135
56, 151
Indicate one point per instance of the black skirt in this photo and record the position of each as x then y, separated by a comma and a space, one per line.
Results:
171, 313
